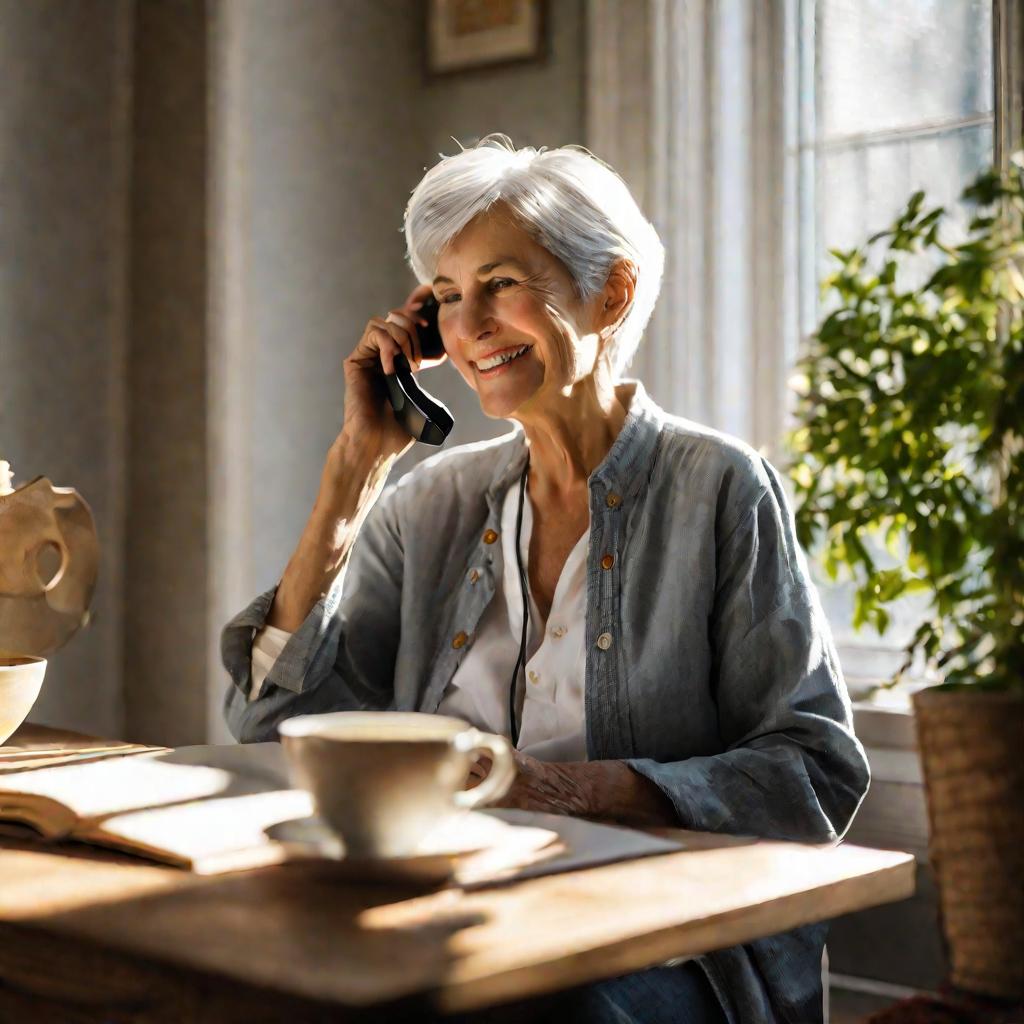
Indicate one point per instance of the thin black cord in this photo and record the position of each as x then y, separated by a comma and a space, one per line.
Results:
513, 726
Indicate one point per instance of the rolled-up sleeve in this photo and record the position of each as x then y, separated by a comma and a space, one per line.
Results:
792, 767
342, 656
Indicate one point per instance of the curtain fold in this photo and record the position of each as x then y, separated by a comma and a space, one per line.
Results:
688, 100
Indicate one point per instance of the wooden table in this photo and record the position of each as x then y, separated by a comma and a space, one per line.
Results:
90, 935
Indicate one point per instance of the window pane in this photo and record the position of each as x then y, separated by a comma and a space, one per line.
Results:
884, 65
860, 189
890, 81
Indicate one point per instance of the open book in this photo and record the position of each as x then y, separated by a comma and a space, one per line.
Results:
203, 808
212, 809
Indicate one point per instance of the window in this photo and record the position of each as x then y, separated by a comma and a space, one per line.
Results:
891, 98
758, 135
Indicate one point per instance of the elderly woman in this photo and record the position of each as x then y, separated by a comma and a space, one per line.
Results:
677, 667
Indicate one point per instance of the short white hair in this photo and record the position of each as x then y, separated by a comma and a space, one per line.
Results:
566, 199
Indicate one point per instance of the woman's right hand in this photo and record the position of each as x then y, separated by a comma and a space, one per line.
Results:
356, 469
369, 420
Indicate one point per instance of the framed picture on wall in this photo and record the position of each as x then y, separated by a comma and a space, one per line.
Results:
467, 34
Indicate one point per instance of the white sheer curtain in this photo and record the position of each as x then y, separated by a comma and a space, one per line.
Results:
687, 100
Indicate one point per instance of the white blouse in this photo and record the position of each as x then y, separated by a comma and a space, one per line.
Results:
551, 715
550, 702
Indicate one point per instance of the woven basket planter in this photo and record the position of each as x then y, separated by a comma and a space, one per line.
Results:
972, 755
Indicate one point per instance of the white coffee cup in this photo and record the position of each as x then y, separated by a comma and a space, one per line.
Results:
384, 780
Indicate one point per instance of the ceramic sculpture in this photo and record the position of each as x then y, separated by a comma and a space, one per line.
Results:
42, 526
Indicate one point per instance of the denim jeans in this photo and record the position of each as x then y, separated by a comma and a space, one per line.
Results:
680, 994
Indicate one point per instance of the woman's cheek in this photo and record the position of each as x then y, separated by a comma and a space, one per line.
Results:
564, 350
465, 370
562, 369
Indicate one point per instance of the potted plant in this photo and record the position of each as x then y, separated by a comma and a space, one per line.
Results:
910, 430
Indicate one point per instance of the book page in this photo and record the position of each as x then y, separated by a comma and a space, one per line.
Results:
207, 836
100, 789
39, 746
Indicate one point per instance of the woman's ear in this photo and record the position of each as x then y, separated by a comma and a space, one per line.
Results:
618, 295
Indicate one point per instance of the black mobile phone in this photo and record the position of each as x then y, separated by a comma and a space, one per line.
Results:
422, 415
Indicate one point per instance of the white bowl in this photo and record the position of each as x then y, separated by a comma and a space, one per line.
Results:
21, 679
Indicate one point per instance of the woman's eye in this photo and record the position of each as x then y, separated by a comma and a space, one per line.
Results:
496, 284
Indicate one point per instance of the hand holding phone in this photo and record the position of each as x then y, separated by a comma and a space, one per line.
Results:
371, 423
423, 416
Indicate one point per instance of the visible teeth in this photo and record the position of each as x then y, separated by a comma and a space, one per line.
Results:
504, 357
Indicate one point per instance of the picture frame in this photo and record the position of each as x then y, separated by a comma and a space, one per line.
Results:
468, 35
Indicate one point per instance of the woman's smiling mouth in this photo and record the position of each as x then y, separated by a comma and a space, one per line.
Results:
499, 362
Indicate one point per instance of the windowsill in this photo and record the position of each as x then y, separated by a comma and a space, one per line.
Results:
887, 725
894, 699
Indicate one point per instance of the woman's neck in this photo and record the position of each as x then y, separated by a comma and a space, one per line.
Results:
571, 435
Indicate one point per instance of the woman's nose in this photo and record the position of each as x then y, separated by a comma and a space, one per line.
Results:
476, 319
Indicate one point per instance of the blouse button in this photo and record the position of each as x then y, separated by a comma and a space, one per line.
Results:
459, 640
613, 500
558, 631
474, 575
490, 537
534, 678
604, 641
608, 561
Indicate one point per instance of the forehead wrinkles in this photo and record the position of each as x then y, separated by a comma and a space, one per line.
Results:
489, 237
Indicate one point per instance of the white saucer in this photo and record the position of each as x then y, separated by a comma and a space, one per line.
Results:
437, 856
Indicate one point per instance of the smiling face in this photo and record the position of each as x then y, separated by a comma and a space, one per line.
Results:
509, 317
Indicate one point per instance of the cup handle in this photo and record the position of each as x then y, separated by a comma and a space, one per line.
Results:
503, 770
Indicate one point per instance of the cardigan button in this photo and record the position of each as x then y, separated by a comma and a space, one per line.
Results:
604, 641
474, 575
613, 500
459, 640
490, 537
608, 561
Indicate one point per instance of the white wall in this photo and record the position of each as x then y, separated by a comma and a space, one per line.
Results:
315, 151
323, 96
64, 114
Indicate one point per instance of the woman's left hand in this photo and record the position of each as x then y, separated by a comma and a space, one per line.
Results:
547, 786
606, 790
539, 786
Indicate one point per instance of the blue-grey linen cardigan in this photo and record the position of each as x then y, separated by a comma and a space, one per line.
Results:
721, 683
